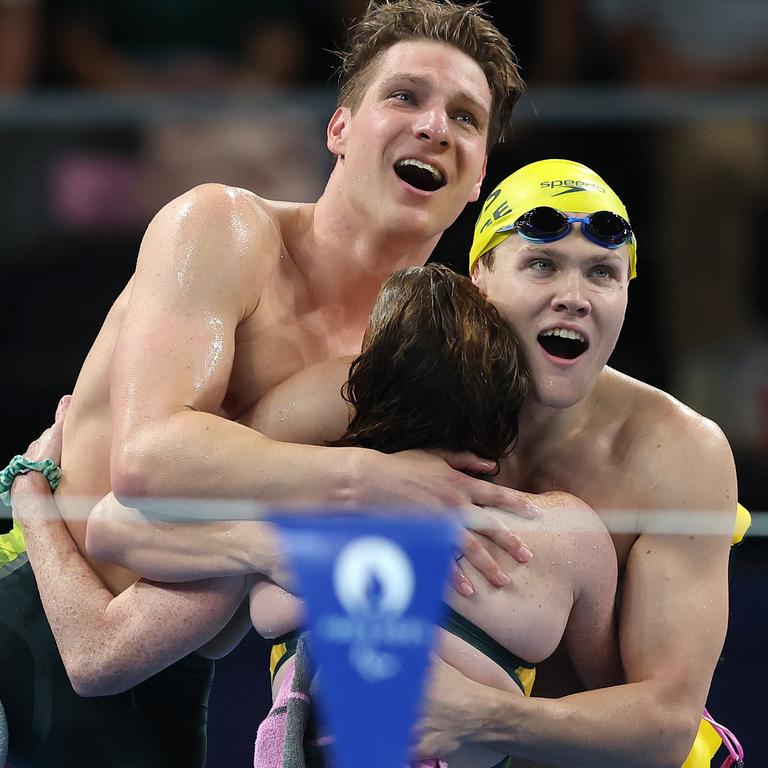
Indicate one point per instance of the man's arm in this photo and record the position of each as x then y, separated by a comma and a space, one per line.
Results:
171, 551
672, 626
200, 273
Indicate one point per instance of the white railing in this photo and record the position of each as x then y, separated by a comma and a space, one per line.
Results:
583, 105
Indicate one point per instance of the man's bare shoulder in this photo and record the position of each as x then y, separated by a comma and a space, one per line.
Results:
230, 237
657, 418
244, 224
213, 199
674, 446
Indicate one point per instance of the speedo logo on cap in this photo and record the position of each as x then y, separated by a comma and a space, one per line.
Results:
571, 186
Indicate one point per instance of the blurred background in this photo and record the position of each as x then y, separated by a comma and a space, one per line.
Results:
110, 108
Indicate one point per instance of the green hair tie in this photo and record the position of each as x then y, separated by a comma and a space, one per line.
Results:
20, 466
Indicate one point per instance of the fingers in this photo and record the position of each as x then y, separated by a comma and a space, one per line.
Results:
61, 408
489, 495
478, 555
511, 544
36, 449
460, 581
464, 461
48, 445
484, 521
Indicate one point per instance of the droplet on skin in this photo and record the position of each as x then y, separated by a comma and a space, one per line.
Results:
214, 353
286, 410
182, 267
237, 221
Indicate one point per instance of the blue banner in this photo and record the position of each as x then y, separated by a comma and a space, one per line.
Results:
372, 589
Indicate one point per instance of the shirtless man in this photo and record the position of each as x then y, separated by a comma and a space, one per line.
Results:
661, 476
232, 295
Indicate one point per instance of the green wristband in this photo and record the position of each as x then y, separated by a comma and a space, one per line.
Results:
20, 466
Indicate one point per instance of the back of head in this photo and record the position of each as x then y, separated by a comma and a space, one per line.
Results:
466, 27
439, 369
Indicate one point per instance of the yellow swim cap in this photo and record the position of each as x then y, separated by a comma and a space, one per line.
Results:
561, 184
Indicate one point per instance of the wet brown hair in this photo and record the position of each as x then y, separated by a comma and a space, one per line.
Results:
466, 27
439, 369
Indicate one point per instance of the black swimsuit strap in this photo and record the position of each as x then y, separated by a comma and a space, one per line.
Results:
454, 623
291, 640
457, 625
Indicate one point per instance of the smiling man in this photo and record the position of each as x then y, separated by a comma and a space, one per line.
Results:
232, 295
554, 251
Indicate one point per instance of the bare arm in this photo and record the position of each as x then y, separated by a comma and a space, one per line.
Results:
306, 409
109, 644
274, 610
175, 552
672, 626
199, 275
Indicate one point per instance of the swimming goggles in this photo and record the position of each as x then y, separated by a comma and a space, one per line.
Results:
545, 225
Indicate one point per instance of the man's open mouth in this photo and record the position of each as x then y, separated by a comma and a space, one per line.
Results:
420, 175
560, 342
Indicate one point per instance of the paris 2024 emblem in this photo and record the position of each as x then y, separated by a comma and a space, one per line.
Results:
373, 581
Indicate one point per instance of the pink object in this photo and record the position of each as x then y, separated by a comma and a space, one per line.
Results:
731, 743
96, 192
270, 737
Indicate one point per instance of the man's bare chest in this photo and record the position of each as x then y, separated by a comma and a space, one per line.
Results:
271, 349
614, 491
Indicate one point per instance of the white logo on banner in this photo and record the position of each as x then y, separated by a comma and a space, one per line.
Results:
373, 574
374, 582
